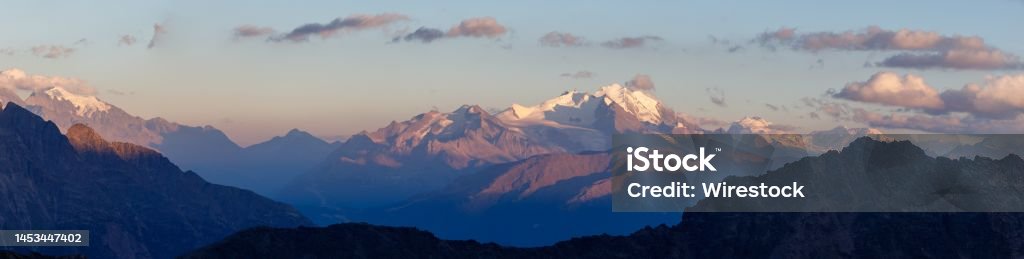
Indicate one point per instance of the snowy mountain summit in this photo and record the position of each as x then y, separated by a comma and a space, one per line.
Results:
609, 110
579, 108
85, 106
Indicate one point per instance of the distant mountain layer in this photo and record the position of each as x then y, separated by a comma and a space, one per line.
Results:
134, 202
565, 195
263, 167
760, 235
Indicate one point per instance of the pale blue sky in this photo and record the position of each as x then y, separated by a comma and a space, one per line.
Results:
252, 89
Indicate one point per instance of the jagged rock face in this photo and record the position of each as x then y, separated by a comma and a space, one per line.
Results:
467, 137
135, 203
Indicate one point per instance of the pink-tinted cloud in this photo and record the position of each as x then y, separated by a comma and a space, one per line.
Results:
350, 23
998, 97
891, 89
641, 82
158, 34
930, 123
481, 27
836, 110
981, 59
52, 51
126, 40
477, 28
250, 31
561, 39
630, 42
920, 49
17, 79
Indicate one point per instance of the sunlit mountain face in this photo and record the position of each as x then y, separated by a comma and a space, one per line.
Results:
335, 129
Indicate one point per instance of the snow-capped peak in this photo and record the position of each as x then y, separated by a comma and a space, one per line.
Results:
639, 103
577, 108
84, 105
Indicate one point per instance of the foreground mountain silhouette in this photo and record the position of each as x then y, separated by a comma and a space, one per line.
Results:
13, 255
134, 202
716, 235
758, 235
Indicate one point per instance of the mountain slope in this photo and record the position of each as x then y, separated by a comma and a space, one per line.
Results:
723, 234
263, 167
426, 152
566, 195
417, 155
135, 203
266, 167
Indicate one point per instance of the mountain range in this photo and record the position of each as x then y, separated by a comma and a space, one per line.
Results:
723, 234
262, 167
428, 151
133, 200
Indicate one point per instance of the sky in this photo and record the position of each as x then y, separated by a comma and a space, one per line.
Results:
244, 68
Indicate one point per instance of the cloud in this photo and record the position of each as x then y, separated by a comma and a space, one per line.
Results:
7, 51
630, 42
998, 97
478, 27
870, 38
641, 82
814, 115
580, 75
772, 107
158, 34
350, 23
717, 96
561, 39
17, 79
919, 49
945, 124
888, 88
250, 31
126, 40
481, 27
981, 59
423, 34
942, 123
836, 110
52, 51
